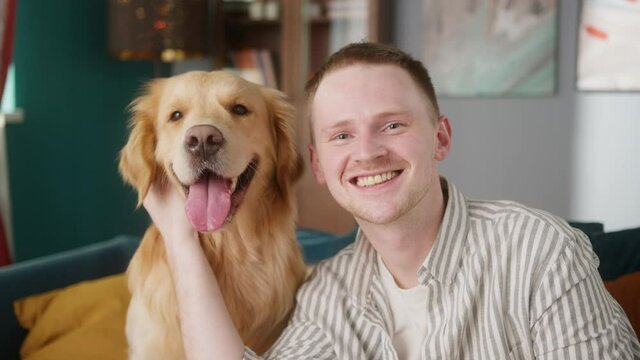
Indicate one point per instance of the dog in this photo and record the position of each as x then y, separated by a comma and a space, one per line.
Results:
227, 145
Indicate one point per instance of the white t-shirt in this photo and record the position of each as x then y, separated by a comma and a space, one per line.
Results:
409, 310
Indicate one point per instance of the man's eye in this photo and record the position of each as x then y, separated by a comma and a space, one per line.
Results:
341, 137
393, 126
176, 115
239, 109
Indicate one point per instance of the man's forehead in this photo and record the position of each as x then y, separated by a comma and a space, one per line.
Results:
326, 117
382, 90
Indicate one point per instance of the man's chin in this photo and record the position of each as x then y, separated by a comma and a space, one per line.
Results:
376, 216
382, 212
371, 209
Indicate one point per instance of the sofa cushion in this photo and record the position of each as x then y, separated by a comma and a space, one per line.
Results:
591, 229
82, 321
626, 291
319, 245
54, 272
619, 252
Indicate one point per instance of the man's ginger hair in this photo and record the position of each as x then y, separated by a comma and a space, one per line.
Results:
374, 54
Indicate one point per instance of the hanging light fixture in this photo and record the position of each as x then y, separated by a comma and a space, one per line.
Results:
165, 30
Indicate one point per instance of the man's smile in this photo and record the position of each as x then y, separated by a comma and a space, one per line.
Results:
374, 179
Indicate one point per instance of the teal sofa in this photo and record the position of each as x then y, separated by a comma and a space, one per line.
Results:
99, 260
619, 254
618, 251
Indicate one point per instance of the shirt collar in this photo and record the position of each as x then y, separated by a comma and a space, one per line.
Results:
364, 281
362, 268
443, 260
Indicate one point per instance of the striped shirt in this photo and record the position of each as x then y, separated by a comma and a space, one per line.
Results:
503, 282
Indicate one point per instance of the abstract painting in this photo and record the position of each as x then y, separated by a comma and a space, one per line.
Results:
491, 47
609, 46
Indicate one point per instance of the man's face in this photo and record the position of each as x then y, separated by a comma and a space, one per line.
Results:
376, 144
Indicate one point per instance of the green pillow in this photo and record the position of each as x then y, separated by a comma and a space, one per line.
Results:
619, 252
318, 245
592, 229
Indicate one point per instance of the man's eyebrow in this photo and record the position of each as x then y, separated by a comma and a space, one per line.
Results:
339, 124
387, 114
349, 122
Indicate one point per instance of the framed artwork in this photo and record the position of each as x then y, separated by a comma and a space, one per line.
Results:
491, 47
609, 46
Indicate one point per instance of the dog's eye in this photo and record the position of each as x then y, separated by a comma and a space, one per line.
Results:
176, 115
239, 109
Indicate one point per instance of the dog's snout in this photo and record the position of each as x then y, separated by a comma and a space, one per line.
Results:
203, 140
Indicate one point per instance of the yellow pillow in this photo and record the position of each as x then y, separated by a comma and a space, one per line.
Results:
82, 321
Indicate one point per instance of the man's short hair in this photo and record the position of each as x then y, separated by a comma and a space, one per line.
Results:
375, 54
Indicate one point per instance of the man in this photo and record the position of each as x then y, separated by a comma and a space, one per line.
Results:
431, 274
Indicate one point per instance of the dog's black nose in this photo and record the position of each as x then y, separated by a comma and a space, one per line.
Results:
203, 140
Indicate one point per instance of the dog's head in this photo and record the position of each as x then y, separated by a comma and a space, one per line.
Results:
222, 140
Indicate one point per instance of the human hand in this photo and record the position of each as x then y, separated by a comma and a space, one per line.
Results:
166, 208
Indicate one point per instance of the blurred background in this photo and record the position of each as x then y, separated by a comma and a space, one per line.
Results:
76, 65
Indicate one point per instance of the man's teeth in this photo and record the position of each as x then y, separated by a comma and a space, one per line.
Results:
375, 179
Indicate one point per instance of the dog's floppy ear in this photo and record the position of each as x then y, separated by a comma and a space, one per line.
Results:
289, 165
137, 163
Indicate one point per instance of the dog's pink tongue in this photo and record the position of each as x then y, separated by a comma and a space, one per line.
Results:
208, 203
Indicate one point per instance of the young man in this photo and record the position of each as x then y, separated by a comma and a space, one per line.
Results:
431, 274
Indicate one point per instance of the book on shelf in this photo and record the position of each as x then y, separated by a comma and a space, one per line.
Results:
255, 65
265, 60
347, 9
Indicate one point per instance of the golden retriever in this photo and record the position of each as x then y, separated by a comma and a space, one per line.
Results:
227, 144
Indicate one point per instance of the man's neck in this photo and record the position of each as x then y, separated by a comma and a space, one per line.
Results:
405, 243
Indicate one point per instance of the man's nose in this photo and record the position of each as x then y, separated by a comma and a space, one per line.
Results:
370, 146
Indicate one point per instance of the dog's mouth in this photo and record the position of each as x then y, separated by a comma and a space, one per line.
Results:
212, 199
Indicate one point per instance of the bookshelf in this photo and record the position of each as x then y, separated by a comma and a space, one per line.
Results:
296, 35
281, 43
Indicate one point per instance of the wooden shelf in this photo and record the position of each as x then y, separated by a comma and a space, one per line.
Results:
297, 48
250, 23
320, 21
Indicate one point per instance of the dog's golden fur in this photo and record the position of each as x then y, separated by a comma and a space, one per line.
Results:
254, 255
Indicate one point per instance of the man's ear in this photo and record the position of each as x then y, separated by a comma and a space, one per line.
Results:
137, 159
315, 165
443, 138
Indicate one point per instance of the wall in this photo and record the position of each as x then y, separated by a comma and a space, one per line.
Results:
574, 154
65, 187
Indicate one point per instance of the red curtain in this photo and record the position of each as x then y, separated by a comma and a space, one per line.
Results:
7, 27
